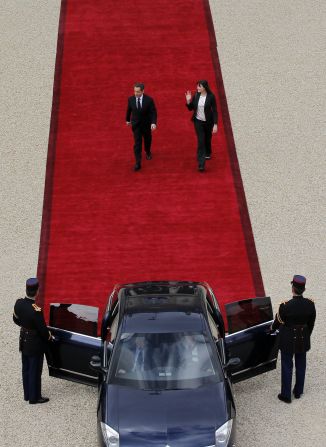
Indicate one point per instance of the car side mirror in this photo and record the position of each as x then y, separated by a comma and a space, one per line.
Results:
232, 363
95, 363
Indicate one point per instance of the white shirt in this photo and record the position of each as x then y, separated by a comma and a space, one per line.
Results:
139, 352
141, 101
200, 115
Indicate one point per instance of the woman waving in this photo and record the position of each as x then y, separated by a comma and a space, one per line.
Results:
203, 104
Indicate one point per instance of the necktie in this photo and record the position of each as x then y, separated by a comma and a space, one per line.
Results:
139, 362
138, 104
140, 359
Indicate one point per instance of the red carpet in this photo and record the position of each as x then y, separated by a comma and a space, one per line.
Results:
103, 223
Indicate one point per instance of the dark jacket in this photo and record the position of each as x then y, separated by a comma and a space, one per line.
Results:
34, 333
210, 108
295, 319
146, 116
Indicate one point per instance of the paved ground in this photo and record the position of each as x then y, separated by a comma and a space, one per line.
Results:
273, 62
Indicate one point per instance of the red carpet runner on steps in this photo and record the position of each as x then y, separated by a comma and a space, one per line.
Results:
104, 223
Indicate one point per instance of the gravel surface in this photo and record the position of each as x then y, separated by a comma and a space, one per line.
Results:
272, 55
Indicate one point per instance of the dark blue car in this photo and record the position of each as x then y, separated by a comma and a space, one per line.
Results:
163, 362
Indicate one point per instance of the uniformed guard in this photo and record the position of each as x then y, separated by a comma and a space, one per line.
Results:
34, 336
295, 320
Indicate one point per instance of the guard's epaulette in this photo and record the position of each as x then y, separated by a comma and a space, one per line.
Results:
283, 302
279, 319
311, 299
35, 306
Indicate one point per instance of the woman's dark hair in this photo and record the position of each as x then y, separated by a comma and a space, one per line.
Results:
204, 84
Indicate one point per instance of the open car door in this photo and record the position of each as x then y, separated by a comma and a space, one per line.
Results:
74, 327
249, 337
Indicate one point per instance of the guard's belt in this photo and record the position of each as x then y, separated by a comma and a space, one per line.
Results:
298, 326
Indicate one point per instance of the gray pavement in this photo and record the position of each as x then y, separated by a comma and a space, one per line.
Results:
272, 55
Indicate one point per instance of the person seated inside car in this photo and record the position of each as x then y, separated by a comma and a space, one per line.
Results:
194, 356
141, 358
135, 356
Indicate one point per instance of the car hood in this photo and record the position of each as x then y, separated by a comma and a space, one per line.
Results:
182, 418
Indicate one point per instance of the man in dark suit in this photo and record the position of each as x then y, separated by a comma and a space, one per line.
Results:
134, 356
142, 117
34, 336
295, 320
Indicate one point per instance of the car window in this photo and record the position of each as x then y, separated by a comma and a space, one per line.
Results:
165, 361
213, 327
215, 314
248, 313
75, 318
114, 323
112, 301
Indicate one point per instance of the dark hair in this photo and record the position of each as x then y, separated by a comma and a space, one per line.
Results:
204, 84
139, 85
31, 293
299, 290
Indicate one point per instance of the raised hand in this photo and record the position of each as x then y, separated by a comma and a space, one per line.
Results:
188, 96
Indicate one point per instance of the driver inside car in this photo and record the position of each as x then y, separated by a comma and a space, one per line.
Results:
135, 356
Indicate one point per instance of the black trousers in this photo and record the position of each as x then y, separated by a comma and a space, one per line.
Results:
204, 140
32, 366
287, 370
142, 132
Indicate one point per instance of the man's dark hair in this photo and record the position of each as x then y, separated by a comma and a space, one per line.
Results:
298, 290
139, 85
31, 293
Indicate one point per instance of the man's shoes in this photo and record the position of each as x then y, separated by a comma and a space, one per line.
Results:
149, 156
201, 168
295, 394
284, 399
41, 400
208, 157
137, 167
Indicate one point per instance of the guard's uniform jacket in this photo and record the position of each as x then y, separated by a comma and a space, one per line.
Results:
295, 320
33, 333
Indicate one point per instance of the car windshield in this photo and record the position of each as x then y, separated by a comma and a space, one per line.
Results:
164, 361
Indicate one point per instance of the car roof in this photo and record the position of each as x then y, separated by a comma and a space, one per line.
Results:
162, 306
159, 322
163, 296
163, 283
162, 288
162, 303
